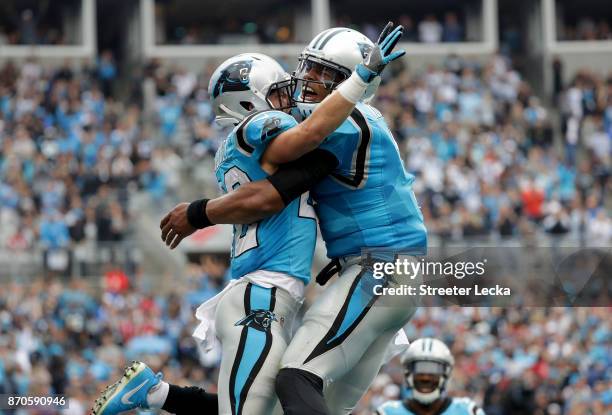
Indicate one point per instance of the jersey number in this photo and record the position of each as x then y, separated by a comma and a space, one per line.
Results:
245, 236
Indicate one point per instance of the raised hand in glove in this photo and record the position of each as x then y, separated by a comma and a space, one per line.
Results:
382, 53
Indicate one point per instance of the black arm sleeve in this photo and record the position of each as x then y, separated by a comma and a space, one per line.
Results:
294, 178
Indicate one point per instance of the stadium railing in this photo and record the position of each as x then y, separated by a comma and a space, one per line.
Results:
90, 259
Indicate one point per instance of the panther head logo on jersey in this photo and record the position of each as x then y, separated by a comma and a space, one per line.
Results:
258, 319
234, 78
270, 128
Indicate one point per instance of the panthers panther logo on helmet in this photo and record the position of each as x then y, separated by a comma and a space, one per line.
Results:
365, 49
234, 78
247, 83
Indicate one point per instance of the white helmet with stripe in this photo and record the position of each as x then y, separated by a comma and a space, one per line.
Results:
243, 84
337, 51
428, 356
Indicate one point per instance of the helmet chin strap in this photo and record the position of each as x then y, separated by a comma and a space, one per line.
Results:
234, 114
429, 397
425, 398
306, 109
226, 121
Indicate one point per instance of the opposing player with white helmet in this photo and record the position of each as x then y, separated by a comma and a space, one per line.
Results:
428, 364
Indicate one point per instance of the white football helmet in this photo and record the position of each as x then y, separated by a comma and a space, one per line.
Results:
430, 356
243, 84
335, 53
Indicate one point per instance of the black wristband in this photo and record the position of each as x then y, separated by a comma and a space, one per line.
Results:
196, 214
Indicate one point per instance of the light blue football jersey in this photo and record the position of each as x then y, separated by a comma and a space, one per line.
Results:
284, 242
457, 406
368, 200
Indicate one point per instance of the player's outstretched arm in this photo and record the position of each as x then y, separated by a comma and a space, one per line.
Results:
252, 201
334, 109
258, 200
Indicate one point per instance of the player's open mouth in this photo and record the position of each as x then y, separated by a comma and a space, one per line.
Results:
308, 93
425, 385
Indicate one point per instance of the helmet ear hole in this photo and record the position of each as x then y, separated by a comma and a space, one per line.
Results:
247, 105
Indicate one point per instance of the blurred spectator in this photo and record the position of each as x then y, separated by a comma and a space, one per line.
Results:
276, 27
599, 231
33, 22
558, 221
426, 30
557, 68
107, 72
27, 28
585, 28
430, 30
452, 31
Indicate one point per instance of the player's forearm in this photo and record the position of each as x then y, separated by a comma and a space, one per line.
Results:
250, 203
308, 135
326, 118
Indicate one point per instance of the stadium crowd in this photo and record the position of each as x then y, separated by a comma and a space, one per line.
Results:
483, 148
586, 28
70, 157
234, 31
275, 23
278, 28
34, 23
429, 29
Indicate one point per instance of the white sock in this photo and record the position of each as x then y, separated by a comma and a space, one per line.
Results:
157, 395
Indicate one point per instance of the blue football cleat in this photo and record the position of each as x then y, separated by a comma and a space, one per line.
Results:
129, 392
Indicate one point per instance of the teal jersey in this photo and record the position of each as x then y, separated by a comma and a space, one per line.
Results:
284, 242
368, 200
455, 406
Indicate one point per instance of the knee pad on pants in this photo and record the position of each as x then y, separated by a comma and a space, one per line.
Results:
300, 392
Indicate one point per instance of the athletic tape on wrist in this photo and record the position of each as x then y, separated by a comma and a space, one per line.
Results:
353, 88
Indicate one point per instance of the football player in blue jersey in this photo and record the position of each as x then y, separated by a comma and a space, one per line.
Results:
364, 199
428, 365
271, 258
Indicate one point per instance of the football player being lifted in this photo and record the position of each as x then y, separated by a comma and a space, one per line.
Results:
428, 365
364, 201
271, 258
